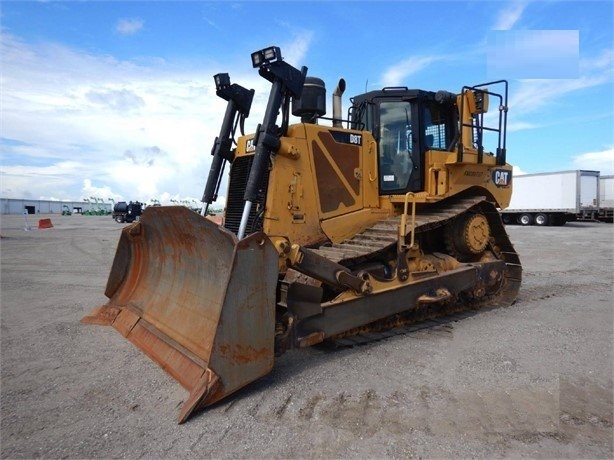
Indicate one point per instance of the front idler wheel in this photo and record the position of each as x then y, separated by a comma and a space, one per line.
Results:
468, 236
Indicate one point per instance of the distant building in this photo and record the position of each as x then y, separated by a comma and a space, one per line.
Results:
21, 206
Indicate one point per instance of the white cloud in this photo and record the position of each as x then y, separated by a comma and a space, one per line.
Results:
597, 161
134, 131
105, 193
63, 104
294, 52
129, 26
515, 125
509, 16
396, 74
120, 100
529, 96
37, 182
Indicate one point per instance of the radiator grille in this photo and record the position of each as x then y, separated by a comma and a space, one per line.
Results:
239, 172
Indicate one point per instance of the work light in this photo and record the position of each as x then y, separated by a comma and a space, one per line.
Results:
266, 56
222, 80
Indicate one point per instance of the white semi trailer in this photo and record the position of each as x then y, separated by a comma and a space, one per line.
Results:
553, 198
606, 198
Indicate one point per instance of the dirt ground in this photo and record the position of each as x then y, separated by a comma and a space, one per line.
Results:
531, 380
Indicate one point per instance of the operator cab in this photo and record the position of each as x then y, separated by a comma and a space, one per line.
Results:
405, 124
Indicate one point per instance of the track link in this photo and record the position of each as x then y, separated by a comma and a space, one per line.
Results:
384, 234
440, 323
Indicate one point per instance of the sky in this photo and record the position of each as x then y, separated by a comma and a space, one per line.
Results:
116, 99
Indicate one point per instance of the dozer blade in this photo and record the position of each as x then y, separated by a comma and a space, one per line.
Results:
196, 300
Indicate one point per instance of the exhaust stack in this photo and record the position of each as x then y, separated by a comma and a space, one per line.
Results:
337, 103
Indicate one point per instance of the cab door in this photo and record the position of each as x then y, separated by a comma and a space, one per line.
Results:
400, 156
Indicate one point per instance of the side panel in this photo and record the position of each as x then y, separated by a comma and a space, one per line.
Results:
320, 178
589, 189
337, 164
345, 165
606, 191
549, 191
291, 207
444, 177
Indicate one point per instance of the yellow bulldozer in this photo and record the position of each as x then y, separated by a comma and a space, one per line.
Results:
333, 227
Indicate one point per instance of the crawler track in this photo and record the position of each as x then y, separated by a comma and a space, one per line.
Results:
384, 234
382, 237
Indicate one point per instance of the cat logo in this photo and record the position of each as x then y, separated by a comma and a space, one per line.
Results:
501, 177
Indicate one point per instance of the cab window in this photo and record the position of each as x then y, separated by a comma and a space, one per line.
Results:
437, 133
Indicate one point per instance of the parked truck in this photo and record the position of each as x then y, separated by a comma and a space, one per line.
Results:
553, 198
606, 198
127, 212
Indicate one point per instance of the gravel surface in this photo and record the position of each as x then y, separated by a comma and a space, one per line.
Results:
531, 380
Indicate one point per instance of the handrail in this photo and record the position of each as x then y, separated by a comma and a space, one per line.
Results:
403, 226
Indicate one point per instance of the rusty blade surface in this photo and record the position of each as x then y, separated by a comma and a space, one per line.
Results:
195, 300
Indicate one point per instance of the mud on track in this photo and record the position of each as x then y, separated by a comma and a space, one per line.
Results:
531, 380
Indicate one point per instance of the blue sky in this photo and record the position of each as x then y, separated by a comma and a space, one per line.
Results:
116, 99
